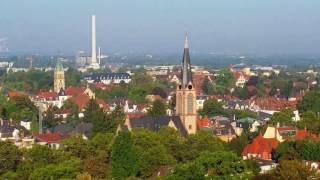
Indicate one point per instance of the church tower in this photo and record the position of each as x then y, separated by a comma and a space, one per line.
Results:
59, 82
186, 94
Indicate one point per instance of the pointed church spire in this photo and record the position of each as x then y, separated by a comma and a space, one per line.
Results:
186, 42
186, 66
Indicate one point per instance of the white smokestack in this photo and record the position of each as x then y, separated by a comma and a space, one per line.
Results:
99, 56
93, 38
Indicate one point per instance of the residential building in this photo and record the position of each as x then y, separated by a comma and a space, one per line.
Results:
261, 148
108, 78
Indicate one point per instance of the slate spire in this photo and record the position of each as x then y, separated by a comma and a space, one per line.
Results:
186, 65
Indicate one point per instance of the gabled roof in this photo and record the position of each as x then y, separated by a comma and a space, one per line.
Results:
67, 129
290, 133
155, 123
81, 100
135, 115
14, 94
72, 91
272, 103
204, 122
260, 146
47, 94
49, 137
102, 104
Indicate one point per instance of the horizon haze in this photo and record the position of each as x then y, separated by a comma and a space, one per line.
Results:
222, 27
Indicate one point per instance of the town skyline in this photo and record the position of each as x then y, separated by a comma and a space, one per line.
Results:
148, 27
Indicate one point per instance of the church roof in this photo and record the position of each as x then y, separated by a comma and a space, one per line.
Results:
59, 66
186, 65
155, 123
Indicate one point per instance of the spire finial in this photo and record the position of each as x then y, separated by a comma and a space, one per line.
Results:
186, 42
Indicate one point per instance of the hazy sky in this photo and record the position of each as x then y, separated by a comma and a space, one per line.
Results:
158, 26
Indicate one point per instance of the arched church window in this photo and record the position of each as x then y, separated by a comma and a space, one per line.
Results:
190, 103
180, 104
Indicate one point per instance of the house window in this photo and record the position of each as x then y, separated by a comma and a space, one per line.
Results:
190, 103
190, 126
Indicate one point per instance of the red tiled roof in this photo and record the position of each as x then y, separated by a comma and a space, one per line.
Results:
71, 91
272, 103
49, 137
103, 104
81, 100
299, 134
261, 146
204, 122
14, 94
47, 94
280, 129
238, 74
63, 111
136, 115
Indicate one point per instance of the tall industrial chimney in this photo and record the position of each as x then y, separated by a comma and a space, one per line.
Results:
93, 38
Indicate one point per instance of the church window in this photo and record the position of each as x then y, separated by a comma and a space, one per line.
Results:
180, 104
190, 103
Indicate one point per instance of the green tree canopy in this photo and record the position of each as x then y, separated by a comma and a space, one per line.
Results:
310, 102
212, 107
152, 153
124, 158
10, 156
158, 109
65, 170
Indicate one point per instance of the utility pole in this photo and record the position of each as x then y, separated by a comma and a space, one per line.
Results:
40, 117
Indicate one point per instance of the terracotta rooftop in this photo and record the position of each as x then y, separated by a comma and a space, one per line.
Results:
14, 94
49, 137
272, 103
260, 146
204, 122
71, 91
47, 94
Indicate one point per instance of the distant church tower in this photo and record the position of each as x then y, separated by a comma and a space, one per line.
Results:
59, 82
186, 94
